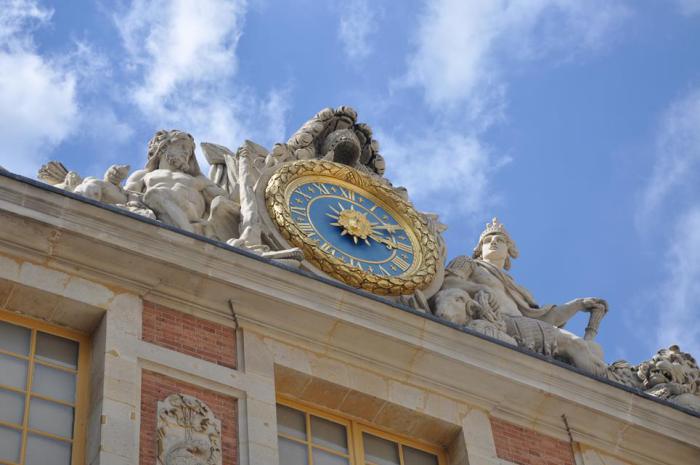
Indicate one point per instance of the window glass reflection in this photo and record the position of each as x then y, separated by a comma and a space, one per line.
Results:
13, 371
11, 407
10, 444
51, 417
54, 383
44, 451
292, 453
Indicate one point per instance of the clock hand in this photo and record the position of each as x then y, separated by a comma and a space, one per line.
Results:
389, 244
389, 227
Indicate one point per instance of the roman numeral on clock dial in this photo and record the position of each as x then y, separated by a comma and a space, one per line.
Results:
322, 188
400, 263
306, 228
404, 247
348, 194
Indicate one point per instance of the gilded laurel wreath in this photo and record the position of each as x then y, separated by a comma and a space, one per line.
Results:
427, 251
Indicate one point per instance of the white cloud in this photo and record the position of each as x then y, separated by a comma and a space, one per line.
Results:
677, 164
689, 7
18, 18
178, 43
357, 23
679, 296
184, 57
38, 106
463, 54
669, 205
443, 164
464, 47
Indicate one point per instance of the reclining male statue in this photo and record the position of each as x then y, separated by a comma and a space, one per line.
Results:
477, 293
178, 193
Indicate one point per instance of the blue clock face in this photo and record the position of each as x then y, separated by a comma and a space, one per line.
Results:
352, 227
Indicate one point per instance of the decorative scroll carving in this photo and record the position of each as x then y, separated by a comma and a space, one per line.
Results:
188, 432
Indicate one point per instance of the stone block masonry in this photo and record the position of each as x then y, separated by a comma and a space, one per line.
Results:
189, 335
156, 387
527, 447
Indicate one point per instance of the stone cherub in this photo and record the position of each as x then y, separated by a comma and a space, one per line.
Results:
479, 287
173, 186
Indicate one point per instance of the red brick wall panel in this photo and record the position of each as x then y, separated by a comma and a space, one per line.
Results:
188, 334
156, 387
527, 447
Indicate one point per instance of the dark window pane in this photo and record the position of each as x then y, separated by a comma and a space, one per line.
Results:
413, 456
14, 338
57, 350
291, 422
329, 434
380, 451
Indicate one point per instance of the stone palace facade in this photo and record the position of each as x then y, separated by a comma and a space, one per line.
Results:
292, 307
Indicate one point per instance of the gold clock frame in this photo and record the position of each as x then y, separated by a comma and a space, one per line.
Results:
426, 249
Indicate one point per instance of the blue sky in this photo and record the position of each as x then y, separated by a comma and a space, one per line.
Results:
577, 123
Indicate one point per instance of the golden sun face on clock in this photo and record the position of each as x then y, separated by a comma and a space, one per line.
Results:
365, 235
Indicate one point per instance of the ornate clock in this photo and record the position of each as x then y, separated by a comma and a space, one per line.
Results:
353, 227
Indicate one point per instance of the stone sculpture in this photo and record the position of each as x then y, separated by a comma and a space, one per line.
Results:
55, 174
188, 433
474, 292
175, 189
490, 301
335, 135
108, 189
671, 374
238, 174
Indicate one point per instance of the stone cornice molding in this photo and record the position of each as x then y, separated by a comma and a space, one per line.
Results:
120, 249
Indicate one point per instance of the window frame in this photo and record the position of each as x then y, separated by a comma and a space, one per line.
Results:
355, 428
80, 405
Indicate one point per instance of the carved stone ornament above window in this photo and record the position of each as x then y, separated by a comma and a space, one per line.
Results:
188, 432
